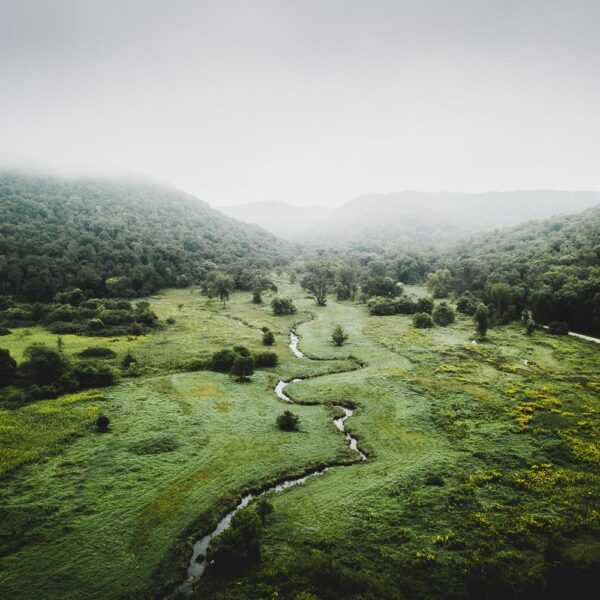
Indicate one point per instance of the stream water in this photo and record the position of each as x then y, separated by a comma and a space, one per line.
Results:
197, 564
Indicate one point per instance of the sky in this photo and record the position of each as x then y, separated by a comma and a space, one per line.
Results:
305, 101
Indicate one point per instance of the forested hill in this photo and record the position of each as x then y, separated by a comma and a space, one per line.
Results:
552, 266
58, 234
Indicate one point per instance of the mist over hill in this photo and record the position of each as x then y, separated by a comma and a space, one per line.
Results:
424, 217
60, 233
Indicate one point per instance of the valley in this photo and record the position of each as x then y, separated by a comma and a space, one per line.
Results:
449, 426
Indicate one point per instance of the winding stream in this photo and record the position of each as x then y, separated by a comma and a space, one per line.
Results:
197, 564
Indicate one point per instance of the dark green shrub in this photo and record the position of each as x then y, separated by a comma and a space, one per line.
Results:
338, 335
265, 360
268, 338
283, 306
237, 547
135, 329
288, 421
63, 328
128, 360
8, 368
242, 367
222, 360
98, 352
242, 351
91, 374
63, 312
424, 305
482, 319
170, 321
467, 304
42, 366
263, 509
4, 331
422, 320
196, 364
443, 314
102, 423
96, 325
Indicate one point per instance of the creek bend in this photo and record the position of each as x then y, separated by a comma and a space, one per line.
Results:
197, 564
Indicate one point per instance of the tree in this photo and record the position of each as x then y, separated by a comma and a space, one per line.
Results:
238, 546
265, 360
443, 314
268, 338
288, 421
346, 283
381, 286
242, 367
439, 283
319, 280
422, 320
220, 285
338, 335
222, 360
282, 306
257, 296
8, 368
482, 319
42, 366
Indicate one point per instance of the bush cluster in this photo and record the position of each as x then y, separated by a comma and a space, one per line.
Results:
401, 305
47, 373
105, 317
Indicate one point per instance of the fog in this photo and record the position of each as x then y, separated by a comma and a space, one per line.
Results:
311, 102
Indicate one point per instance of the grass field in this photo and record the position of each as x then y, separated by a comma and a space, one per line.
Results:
479, 465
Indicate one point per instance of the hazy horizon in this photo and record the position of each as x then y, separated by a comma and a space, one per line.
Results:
312, 103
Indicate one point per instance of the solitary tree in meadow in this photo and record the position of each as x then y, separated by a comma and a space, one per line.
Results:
482, 319
319, 280
339, 336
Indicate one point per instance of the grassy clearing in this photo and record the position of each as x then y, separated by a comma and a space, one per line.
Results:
479, 464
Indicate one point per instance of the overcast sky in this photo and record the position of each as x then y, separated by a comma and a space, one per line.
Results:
306, 101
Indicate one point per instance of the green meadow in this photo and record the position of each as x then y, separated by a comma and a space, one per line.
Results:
483, 459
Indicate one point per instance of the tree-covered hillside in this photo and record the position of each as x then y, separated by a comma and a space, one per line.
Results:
551, 266
58, 234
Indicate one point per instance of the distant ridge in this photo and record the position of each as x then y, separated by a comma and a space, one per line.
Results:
423, 217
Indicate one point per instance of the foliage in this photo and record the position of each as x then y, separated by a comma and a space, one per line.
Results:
319, 280
219, 285
381, 286
403, 305
8, 368
91, 374
238, 546
102, 423
439, 283
266, 360
98, 352
339, 335
263, 509
116, 238
288, 421
268, 338
222, 360
422, 320
282, 306
443, 314
242, 367
482, 319
42, 366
